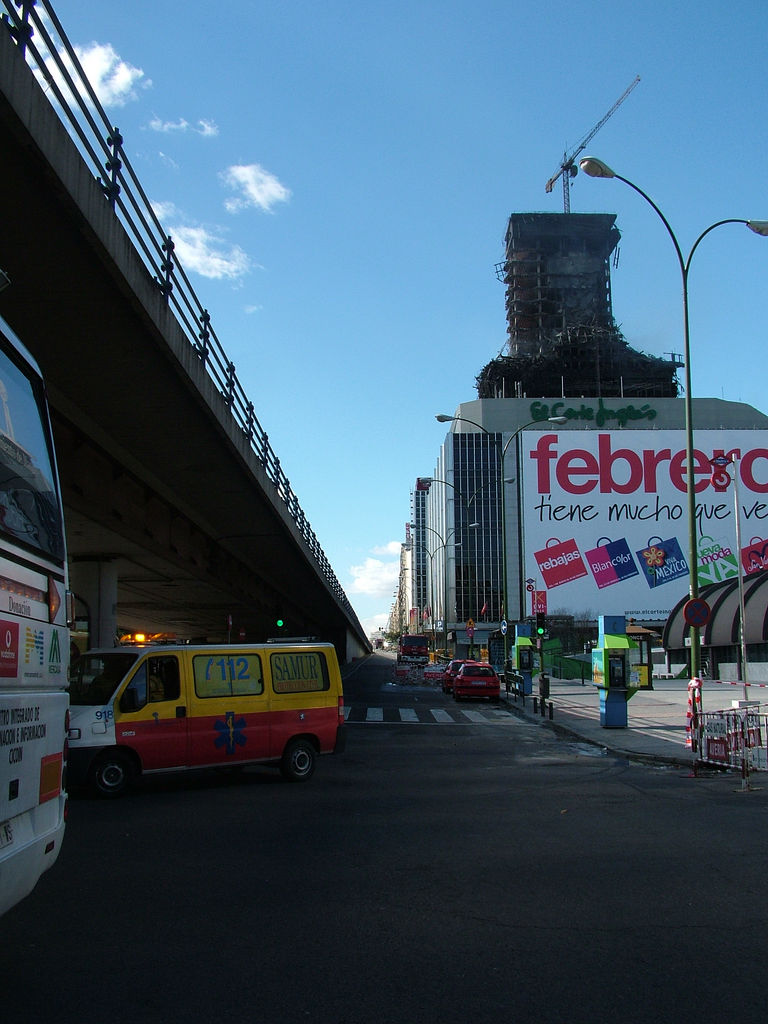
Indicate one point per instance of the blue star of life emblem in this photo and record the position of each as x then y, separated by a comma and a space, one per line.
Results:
231, 733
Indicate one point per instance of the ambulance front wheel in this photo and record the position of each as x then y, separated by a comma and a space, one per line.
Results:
111, 775
298, 762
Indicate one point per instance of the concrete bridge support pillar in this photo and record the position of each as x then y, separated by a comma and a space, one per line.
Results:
94, 582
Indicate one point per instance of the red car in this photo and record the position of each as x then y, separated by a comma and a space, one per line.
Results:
450, 672
476, 679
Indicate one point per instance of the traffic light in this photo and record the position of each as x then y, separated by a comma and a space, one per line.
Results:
279, 623
541, 625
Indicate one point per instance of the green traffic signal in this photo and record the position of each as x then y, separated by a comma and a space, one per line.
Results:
280, 623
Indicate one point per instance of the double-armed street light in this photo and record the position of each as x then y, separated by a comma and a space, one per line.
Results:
444, 545
501, 452
466, 502
597, 169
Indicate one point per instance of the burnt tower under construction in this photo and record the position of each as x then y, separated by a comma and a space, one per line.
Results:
561, 335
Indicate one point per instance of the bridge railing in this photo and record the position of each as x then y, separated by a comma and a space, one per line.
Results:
39, 35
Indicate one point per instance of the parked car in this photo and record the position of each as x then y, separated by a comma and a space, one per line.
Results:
450, 671
476, 679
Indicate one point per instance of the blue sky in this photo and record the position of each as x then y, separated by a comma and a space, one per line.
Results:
339, 176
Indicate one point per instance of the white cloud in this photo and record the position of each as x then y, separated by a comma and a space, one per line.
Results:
207, 254
256, 187
392, 548
165, 210
202, 251
202, 127
168, 161
376, 577
373, 623
113, 79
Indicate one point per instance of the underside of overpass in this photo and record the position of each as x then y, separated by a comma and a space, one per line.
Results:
162, 489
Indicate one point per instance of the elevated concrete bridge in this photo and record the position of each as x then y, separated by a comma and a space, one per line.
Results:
179, 516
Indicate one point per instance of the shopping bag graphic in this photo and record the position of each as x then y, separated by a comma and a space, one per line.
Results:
611, 562
716, 563
754, 556
560, 562
662, 561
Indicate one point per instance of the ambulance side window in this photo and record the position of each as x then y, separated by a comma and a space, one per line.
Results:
299, 671
156, 679
227, 675
163, 678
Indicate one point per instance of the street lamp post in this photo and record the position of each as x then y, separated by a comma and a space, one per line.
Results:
722, 477
444, 545
597, 169
466, 502
501, 454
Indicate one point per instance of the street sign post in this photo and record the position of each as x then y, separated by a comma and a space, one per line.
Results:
696, 612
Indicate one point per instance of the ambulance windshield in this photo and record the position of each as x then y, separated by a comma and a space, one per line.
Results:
94, 677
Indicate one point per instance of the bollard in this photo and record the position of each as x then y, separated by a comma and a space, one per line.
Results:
551, 711
544, 686
535, 705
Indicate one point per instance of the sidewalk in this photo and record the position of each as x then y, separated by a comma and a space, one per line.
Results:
656, 718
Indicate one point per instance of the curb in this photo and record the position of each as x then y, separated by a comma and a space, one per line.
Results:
569, 733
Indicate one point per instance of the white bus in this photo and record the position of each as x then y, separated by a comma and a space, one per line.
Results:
34, 639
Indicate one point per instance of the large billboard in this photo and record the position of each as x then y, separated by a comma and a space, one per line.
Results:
605, 516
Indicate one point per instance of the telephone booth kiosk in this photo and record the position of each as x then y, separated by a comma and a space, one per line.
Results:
524, 656
645, 639
615, 670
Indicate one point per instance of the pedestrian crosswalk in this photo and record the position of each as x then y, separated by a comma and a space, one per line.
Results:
363, 714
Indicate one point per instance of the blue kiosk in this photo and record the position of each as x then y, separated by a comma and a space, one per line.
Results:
615, 670
524, 656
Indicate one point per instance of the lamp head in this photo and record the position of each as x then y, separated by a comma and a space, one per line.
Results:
596, 168
557, 419
760, 227
442, 418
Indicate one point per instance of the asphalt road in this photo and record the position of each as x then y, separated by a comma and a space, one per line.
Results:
460, 870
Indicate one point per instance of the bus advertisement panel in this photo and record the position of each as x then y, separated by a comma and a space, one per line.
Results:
605, 516
34, 644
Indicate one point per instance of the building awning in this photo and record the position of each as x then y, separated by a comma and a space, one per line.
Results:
523, 641
617, 641
722, 630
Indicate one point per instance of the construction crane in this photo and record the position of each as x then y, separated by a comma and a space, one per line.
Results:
568, 168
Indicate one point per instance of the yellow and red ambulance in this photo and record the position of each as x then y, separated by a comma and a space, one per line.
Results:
140, 709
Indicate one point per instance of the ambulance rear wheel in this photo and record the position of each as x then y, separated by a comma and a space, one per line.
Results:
112, 774
298, 762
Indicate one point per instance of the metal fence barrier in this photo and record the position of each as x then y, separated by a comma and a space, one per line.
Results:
732, 738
